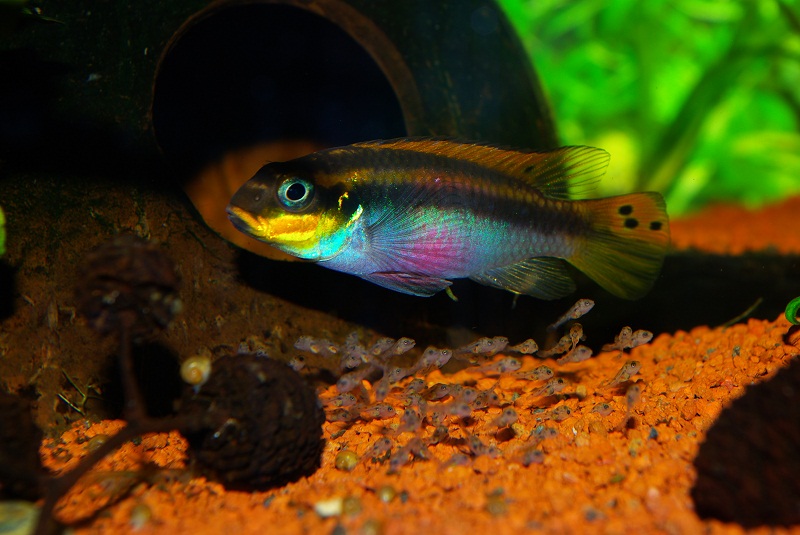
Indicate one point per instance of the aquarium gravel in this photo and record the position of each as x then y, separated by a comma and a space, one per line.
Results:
626, 471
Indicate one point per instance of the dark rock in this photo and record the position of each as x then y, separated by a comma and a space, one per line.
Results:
20, 465
748, 468
128, 281
263, 424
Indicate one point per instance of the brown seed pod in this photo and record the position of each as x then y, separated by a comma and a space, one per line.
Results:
128, 282
262, 424
792, 336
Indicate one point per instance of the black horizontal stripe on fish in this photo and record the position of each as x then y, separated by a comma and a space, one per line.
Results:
534, 211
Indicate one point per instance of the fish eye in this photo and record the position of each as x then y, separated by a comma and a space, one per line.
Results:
295, 193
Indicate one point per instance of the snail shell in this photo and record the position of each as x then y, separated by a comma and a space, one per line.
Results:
196, 370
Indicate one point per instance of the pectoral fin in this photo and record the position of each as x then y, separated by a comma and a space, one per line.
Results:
408, 283
543, 278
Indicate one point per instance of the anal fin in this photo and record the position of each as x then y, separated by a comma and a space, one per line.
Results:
408, 283
543, 278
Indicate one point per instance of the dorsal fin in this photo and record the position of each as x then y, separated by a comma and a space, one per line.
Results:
552, 172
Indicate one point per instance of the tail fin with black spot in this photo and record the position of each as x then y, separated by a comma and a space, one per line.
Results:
625, 249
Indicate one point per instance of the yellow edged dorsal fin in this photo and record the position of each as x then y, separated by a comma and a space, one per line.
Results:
552, 172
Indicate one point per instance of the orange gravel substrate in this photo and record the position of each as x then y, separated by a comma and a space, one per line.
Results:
596, 475
729, 229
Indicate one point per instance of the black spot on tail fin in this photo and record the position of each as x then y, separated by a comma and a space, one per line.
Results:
627, 243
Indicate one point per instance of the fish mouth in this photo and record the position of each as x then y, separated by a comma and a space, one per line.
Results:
240, 219
261, 229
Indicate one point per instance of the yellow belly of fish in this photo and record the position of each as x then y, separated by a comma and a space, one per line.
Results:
281, 229
292, 228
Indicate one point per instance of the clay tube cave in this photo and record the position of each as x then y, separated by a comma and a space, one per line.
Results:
244, 83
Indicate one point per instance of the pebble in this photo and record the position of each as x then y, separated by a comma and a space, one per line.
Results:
386, 493
330, 507
598, 428
346, 460
689, 410
496, 504
352, 505
141, 515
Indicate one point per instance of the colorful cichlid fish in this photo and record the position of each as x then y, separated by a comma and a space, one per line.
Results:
412, 214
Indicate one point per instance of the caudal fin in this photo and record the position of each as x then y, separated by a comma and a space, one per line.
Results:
625, 249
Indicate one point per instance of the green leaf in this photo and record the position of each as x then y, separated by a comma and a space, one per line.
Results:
698, 99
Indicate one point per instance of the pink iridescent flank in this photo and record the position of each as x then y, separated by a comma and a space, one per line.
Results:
439, 250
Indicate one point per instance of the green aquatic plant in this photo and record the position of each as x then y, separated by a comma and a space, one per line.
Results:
697, 99
793, 311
